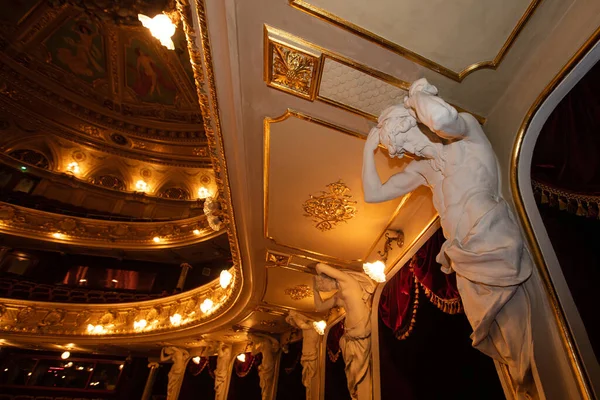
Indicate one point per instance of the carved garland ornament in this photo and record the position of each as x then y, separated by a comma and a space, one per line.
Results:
292, 70
330, 208
299, 292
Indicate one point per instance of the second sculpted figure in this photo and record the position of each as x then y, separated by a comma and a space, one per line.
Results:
483, 242
354, 290
269, 347
310, 351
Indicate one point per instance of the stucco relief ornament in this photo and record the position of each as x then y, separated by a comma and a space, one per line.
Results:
330, 208
483, 242
212, 210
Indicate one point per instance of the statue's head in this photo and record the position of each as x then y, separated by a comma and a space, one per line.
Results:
325, 283
398, 131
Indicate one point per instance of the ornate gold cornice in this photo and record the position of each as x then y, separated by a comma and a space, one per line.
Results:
566, 334
458, 76
35, 224
119, 319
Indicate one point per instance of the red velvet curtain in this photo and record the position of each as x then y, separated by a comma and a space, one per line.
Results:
400, 297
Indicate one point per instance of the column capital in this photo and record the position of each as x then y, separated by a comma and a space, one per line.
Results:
185, 265
153, 364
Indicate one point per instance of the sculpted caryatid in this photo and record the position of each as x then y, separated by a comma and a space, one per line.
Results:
180, 358
310, 348
223, 370
483, 242
268, 346
354, 291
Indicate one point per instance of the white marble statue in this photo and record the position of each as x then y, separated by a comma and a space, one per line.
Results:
223, 371
310, 350
269, 347
354, 290
180, 358
483, 242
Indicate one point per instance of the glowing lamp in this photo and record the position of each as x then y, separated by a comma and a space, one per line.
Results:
206, 306
196, 360
69, 364
156, 239
320, 326
376, 270
175, 319
141, 186
139, 325
241, 357
73, 168
196, 232
57, 235
225, 278
65, 355
161, 28
203, 193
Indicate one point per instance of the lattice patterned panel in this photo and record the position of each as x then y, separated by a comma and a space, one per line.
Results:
351, 88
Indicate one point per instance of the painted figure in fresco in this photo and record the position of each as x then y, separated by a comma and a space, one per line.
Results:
354, 290
310, 348
146, 71
268, 346
82, 56
483, 242
180, 358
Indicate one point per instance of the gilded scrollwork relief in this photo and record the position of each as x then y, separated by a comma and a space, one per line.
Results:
277, 259
298, 292
292, 70
330, 207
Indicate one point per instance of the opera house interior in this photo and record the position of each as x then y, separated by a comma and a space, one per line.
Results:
299, 199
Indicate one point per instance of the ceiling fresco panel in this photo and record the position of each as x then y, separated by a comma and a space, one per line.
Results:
296, 168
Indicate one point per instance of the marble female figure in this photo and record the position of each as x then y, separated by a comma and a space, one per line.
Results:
268, 346
483, 242
354, 290
310, 349
180, 358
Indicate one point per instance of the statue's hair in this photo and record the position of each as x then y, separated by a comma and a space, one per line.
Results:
396, 120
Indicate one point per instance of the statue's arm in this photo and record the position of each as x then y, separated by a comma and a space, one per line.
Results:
439, 116
398, 185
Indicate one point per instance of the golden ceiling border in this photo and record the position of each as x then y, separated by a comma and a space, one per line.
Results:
567, 338
327, 54
50, 227
202, 66
266, 169
326, 16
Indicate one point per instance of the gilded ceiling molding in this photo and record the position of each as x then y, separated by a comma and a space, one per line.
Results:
330, 207
298, 292
130, 320
200, 53
292, 70
276, 38
566, 335
35, 224
458, 76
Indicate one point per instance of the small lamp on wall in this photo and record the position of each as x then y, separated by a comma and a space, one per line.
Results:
376, 270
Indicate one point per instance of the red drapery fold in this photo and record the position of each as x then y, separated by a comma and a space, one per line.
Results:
333, 341
400, 297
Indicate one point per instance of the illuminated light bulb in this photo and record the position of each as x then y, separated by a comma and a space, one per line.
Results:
90, 328
139, 325
73, 168
376, 270
82, 280
175, 319
203, 193
115, 281
242, 357
156, 239
23, 168
69, 364
98, 329
196, 232
206, 306
196, 360
57, 235
141, 186
161, 28
121, 366
225, 278
70, 345
320, 326
65, 355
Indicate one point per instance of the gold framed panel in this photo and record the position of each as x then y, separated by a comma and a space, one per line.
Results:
566, 334
266, 168
325, 54
458, 76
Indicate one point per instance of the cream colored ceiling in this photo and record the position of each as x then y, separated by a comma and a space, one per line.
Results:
473, 32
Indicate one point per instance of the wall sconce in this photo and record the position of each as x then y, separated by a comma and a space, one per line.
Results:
320, 326
206, 306
241, 357
141, 186
225, 278
398, 239
73, 168
203, 193
196, 360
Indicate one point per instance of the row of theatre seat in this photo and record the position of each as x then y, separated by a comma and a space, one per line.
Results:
23, 290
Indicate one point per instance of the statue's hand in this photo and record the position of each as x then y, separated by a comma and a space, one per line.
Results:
372, 140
